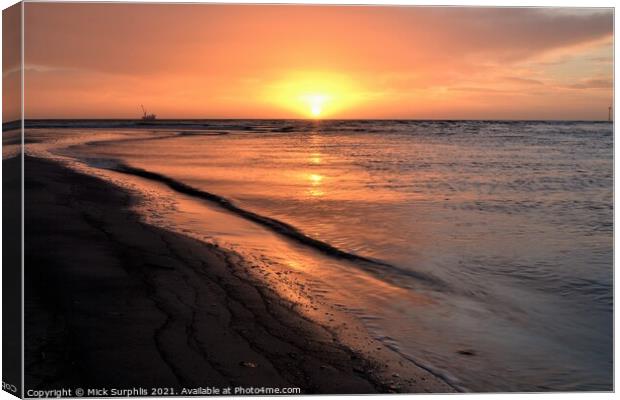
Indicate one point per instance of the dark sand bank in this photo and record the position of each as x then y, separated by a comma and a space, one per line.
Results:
113, 302
11, 271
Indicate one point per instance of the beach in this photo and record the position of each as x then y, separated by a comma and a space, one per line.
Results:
114, 302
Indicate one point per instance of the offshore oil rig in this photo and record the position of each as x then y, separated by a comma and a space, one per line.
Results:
147, 117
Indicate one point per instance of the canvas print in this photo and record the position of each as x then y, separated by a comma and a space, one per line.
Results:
306, 199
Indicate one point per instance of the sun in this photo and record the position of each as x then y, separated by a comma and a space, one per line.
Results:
316, 110
316, 103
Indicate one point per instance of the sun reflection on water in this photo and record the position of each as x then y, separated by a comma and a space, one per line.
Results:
316, 181
315, 158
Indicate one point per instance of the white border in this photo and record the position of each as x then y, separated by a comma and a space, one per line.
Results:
479, 3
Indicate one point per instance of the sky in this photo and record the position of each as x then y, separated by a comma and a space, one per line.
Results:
232, 61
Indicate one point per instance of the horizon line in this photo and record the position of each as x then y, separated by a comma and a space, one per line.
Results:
301, 119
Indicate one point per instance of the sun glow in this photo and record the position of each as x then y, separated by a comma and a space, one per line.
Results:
314, 94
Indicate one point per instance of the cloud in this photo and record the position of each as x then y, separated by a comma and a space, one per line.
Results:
524, 81
483, 90
592, 84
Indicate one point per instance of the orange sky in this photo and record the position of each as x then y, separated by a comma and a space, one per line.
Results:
226, 61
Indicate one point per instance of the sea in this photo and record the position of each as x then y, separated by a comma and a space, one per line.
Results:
481, 251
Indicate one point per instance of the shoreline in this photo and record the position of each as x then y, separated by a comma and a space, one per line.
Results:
114, 302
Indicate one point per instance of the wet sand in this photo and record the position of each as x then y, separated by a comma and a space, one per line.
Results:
112, 302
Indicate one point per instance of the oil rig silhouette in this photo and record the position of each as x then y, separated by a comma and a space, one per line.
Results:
147, 117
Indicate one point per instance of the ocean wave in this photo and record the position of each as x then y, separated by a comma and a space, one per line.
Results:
381, 269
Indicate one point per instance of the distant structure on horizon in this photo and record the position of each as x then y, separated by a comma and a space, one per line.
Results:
609, 115
147, 117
